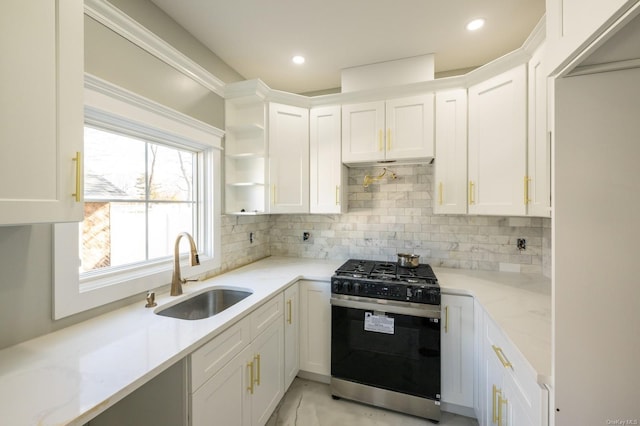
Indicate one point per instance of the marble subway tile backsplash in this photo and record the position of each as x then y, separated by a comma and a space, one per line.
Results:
389, 217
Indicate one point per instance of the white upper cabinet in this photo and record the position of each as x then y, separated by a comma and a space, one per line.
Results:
538, 190
410, 128
451, 153
363, 132
399, 129
327, 174
573, 23
288, 158
41, 109
498, 144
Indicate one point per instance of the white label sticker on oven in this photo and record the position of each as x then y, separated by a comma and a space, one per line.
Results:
378, 323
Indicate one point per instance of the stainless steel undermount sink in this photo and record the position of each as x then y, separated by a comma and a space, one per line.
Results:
205, 305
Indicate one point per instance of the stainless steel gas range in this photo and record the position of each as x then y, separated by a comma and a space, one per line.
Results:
385, 336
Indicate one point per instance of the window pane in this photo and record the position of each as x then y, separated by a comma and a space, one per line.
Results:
166, 221
170, 173
113, 234
114, 166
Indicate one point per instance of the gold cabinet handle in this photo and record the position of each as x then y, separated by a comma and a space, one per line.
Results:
494, 412
527, 179
250, 367
380, 140
440, 194
501, 402
446, 319
337, 195
257, 359
471, 192
388, 139
78, 194
289, 309
501, 356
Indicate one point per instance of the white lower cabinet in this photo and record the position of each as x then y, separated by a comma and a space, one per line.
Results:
238, 377
291, 333
457, 354
315, 327
512, 396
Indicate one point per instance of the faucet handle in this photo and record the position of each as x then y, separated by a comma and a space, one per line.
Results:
151, 300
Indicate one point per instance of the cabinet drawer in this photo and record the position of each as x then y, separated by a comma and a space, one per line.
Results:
211, 357
520, 371
266, 314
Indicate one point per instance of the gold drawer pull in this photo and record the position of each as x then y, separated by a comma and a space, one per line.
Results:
446, 319
289, 308
257, 359
471, 192
78, 194
250, 367
502, 357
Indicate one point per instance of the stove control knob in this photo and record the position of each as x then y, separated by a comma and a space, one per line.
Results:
356, 288
347, 287
336, 286
418, 294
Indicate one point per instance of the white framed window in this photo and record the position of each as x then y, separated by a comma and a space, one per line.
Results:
149, 174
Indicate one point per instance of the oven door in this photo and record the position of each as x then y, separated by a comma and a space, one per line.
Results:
386, 345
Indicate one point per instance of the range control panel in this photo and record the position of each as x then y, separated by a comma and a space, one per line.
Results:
416, 293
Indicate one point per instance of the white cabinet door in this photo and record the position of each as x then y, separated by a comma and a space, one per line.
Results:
363, 132
41, 110
398, 129
291, 333
451, 153
289, 158
315, 327
268, 364
538, 190
327, 174
225, 399
457, 350
497, 144
572, 23
410, 127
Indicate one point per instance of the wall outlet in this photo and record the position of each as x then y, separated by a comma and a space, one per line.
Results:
521, 244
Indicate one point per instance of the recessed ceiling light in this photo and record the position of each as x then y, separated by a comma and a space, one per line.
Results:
298, 60
476, 24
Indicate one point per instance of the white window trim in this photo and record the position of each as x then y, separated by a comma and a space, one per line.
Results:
103, 99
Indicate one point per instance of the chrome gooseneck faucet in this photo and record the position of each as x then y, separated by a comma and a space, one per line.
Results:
177, 280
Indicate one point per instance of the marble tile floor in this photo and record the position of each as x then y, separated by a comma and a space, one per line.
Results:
309, 403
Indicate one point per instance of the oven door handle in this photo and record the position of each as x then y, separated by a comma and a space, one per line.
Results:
429, 311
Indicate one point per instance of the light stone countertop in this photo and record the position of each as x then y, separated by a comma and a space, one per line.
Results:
520, 304
72, 375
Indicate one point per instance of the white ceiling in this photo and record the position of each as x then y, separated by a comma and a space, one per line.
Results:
258, 37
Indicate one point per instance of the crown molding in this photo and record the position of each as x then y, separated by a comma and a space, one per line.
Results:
119, 22
117, 93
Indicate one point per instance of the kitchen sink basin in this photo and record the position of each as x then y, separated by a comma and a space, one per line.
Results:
205, 305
